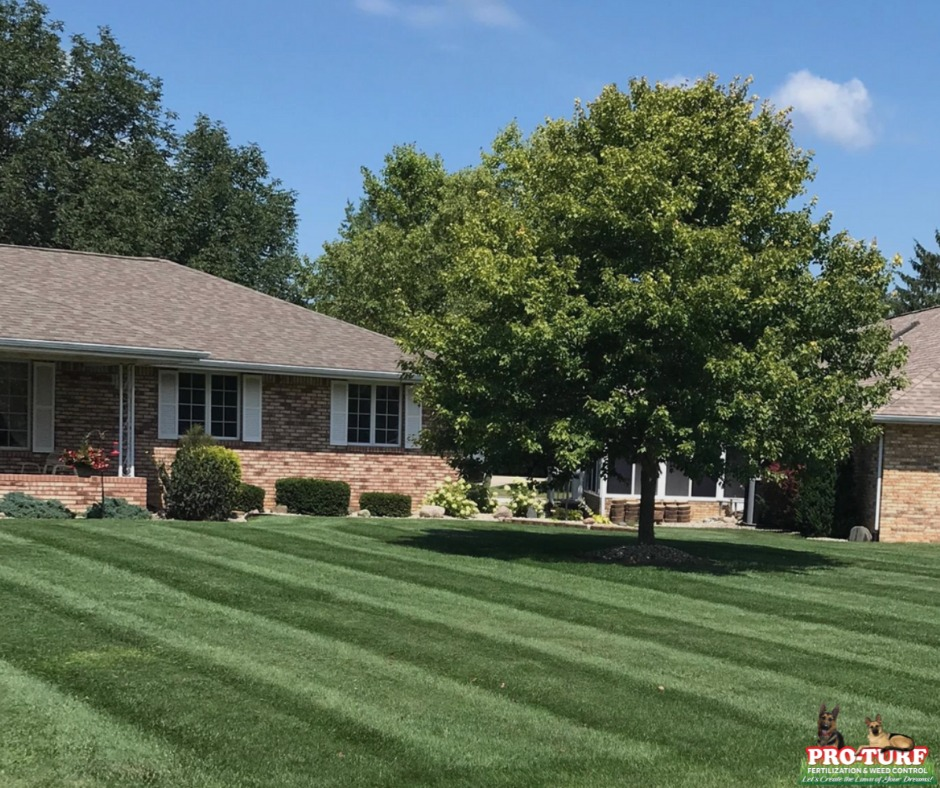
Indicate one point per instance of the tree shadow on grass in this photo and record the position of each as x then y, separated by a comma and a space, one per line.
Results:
717, 558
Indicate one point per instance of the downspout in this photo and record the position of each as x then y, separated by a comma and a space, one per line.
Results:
749, 511
878, 484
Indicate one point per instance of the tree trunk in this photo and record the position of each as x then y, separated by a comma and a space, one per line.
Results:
649, 476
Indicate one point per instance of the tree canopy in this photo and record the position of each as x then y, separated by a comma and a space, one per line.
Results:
638, 281
921, 289
90, 160
386, 265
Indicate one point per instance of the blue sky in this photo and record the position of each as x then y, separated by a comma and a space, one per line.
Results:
327, 86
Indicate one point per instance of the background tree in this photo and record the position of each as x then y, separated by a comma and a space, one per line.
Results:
227, 217
634, 282
90, 160
922, 288
386, 264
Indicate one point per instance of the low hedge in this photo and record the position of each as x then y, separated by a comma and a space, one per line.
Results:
17, 504
116, 509
386, 504
249, 498
320, 497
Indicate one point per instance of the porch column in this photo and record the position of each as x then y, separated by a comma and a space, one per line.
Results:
126, 442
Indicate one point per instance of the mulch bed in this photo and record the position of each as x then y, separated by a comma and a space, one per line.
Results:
646, 555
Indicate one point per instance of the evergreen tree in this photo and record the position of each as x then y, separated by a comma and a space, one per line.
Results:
922, 288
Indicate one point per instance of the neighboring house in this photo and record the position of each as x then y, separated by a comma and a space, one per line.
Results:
144, 349
706, 497
899, 476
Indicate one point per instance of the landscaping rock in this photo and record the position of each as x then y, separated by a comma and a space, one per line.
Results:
363, 513
433, 512
280, 509
484, 516
859, 534
502, 512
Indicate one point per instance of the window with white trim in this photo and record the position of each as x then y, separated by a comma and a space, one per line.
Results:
14, 404
373, 414
210, 401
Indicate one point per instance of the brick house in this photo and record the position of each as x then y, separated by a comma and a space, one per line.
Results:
143, 349
898, 477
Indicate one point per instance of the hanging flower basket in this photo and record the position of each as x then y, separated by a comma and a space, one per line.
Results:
87, 460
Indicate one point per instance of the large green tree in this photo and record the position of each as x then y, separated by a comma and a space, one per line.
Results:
386, 265
638, 281
922, 288
90, 160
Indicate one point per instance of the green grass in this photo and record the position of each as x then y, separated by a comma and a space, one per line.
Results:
303, 652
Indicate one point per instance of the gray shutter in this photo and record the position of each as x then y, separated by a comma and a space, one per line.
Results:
251, 408
412, 418
339, 395
167, 405
43, 407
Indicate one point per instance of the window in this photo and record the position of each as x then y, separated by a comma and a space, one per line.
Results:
373, 414
14, 404
210, 401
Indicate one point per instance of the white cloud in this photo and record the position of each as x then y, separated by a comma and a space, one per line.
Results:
838, 112
488, 13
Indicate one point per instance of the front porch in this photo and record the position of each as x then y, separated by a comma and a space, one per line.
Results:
48, 405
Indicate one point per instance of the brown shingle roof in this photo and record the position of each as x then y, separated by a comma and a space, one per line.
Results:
50, 295
920, 331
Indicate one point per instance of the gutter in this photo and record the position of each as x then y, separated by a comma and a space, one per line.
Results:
100, 350
191, 358
889, 419
286, 369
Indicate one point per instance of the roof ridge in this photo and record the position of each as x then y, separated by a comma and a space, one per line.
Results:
915, 312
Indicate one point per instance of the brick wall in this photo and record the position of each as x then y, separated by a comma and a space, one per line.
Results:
296, 433
910, 495
295, 442
77, 494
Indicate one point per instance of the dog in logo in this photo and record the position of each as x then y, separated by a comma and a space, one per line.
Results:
880, 738
827, 734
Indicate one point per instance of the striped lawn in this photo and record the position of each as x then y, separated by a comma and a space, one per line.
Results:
301, 652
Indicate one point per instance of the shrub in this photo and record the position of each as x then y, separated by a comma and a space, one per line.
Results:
202, 483
522, 497
248, 498
320, 497
384, 504
453, 497
116, 509
16, 504
483, 497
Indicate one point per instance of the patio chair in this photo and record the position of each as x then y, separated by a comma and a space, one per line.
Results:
51, 466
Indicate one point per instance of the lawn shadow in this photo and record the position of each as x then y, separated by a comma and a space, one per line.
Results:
718, 558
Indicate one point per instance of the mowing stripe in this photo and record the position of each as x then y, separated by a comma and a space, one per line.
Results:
274, 653
619, 654
872, 650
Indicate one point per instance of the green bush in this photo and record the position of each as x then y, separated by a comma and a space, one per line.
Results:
383, 504
202, 483
116, 509
320, 497
248, 498
522, 497
453, 497
16, 504
483, 497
